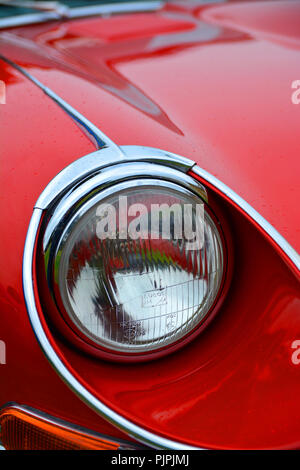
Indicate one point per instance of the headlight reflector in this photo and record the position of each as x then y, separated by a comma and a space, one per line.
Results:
146, 286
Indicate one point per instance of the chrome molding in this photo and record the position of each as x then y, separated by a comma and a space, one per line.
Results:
39, 5
99, 139
259, 219
135, 161
81, 12
30, 18
108, 178
80, 170
115, 8
86, 166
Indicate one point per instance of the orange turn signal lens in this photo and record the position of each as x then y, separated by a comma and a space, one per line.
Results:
26, 429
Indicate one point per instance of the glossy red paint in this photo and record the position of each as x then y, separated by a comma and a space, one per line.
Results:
237, 374
213, 84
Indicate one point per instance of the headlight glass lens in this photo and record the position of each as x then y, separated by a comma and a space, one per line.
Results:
131, 276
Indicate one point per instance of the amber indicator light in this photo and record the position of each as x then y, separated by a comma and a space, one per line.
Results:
23, 430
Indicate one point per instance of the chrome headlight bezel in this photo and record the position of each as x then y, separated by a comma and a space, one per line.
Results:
69, 206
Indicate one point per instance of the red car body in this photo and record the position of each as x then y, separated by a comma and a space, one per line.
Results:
210, 82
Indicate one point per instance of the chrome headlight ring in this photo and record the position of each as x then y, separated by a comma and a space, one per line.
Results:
66, 211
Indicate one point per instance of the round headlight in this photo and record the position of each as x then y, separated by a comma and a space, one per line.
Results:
139, 265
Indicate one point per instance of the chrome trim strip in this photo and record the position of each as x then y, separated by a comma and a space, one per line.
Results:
154, 155
99, 139
79, 170
39, 5
81, 12
111, 176
30, 18
116, 8
53, 190
259, 219
89, 164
